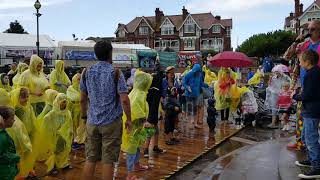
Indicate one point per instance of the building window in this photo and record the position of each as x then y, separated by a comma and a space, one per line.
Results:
189, 26
228, 32
143, 30
166, 30
216, 29
205, 31
122, 33
189, 43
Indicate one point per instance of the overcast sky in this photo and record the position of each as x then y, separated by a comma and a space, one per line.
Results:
62, 18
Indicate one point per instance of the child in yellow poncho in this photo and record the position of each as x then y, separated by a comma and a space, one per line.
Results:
57, 135
59, 80
79, 126
21, 68
24, 111
34, 79
4, 82
19, 134
256, 79
139, 112
50, 95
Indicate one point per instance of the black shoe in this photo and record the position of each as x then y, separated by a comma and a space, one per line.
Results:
312, 174
158, 150
69, 167
170, 143
146, 153
175, 140
53, 172
305, 163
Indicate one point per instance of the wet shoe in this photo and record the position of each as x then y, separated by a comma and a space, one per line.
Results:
140, 167
306, 163
175, 140
312, 174
69, 167
146, 153
53, 172
158, 150
76, 146
170, 143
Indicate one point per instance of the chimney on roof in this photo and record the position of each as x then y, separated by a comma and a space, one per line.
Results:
297, 8
119, 24
218, 17
159, 14
185, 13
300, 9
291, 14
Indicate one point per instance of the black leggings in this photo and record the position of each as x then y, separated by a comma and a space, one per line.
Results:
225, 114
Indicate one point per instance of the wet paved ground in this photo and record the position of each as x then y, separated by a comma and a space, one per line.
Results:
216, 163
252, 154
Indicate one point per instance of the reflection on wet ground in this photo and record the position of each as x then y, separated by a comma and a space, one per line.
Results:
224, 153
250, 155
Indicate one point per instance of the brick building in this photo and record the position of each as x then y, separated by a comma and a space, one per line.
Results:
184, 32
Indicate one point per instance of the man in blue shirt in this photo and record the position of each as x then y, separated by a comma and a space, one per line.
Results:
103, 95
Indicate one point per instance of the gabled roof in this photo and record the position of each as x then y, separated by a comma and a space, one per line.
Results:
317, 3
167, 18
203, 21
121, 26
192, 19
148, 21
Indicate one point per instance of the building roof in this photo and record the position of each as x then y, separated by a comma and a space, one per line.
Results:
25, 40
204, 20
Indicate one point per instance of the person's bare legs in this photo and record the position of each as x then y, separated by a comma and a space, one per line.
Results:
107, 171
200, 114
88, 170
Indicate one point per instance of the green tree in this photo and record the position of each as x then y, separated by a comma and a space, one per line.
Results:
271, 43
16, 27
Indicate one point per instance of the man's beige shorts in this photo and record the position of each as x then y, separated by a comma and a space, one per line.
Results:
103, 142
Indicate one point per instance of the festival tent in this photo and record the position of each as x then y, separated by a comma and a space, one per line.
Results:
82, 53
21, 46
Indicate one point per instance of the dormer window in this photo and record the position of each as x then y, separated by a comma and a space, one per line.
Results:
216, 29
122, 33
167, 28
189, 26
144, 30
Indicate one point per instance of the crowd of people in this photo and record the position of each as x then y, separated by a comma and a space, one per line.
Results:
43, 117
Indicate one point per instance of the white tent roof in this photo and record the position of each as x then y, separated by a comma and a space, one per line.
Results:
90, 44
25, 40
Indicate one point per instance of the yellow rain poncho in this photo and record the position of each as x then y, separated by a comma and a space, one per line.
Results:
256, 79
59, 80
19, 134
186, 71
210, 76
3, 84
73, 94
225, 90
139, 111
50, 96
57, 134
35, 80
21, 68
24, 113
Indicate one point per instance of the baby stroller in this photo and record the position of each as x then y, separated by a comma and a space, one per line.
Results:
247, 110
264, 116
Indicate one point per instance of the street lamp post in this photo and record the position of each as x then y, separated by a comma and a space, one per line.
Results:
37, 6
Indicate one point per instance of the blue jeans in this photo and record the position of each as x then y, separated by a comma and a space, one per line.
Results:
310, 137
132, 159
